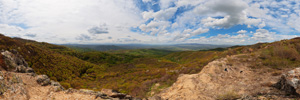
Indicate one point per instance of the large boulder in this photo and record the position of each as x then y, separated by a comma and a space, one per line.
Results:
43, 80
15, 62
289, 82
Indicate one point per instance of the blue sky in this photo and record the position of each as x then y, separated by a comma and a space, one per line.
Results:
151, 21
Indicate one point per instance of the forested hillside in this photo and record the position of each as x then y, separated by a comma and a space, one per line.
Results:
128, 71
137, 72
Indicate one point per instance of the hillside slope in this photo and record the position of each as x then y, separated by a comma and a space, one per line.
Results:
19, 82
252, 72
134, 73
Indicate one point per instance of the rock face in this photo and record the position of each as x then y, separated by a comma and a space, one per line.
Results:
290, 82
225, 78
15, 62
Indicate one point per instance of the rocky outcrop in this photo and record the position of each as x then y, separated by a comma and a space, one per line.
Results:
15, 62
226, 78
290, 82
43, 80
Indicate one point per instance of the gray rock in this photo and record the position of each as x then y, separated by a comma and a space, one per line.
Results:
57, 86
86, 91
113, 94
101, 95
70, 90
43, 80
15, 61
29, 70
21, 69
128, 97
289, 82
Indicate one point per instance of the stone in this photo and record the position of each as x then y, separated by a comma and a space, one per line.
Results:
113, 94
29, 70
101, 95
70, 90
57, 86
15, 61
21, 69
43, 80
289, 82
86, 91
128, 97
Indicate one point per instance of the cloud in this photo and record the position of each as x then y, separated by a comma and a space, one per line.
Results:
199, 31
160, 15
10, 30
221, 39
83, 37
293, 22
232, 11
262, 25
128, 40
161, 21
102, 29
155, 27
68, 19
188, 2
146, 0
242, 32
30, 35
263, 35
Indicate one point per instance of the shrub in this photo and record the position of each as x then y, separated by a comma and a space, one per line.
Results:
65, 85
286, 53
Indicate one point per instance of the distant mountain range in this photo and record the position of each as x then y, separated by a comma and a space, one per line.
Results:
171, 47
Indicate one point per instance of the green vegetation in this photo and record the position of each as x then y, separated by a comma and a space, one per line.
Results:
143, 52
136, 71
129, 71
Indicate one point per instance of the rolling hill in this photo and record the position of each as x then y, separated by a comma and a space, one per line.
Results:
169, 47
138, 72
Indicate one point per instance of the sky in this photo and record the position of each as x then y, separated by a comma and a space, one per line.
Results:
151, 21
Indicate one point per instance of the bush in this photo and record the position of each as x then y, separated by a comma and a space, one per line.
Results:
286, 53
65, 85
